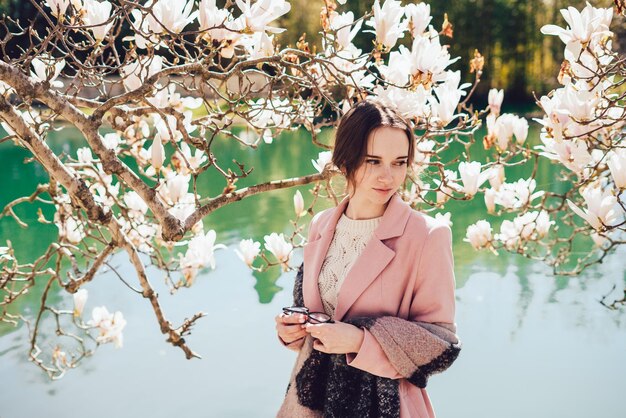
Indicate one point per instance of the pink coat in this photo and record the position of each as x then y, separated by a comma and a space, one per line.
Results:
406, 270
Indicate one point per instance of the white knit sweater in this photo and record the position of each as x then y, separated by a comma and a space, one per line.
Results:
350, 238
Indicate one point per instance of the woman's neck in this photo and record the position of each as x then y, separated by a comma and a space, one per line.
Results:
357, 211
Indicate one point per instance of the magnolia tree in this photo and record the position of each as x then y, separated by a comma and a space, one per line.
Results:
152, 87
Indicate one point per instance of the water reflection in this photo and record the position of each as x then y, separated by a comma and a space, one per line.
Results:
531, 345
537, 346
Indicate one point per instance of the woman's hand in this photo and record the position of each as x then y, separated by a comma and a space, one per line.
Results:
290, 328
336, 338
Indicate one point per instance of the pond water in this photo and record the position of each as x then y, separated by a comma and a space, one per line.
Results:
534, 345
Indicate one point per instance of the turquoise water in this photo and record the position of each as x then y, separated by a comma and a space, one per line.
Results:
533, 345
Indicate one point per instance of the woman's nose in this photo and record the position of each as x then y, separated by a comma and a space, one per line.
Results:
385, 173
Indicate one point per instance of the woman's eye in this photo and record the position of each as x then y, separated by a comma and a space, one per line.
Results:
401, 162
372, 161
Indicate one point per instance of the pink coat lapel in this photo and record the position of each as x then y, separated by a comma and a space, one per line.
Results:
372, 261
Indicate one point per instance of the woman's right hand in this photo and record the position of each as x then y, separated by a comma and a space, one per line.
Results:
290, 327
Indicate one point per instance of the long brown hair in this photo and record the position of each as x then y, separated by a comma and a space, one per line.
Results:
354, 130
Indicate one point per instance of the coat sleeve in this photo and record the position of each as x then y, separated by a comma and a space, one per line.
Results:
433, 300
297, 290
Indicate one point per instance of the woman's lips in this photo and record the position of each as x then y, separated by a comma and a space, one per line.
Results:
383, 191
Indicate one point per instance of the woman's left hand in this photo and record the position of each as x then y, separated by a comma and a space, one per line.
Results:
336, 338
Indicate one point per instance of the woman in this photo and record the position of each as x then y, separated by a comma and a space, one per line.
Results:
384, 274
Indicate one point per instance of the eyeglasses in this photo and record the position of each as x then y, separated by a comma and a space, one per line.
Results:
311, 317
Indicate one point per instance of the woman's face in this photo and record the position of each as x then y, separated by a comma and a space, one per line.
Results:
385, 166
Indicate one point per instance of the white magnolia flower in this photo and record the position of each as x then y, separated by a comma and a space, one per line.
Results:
589, 24
140, 232
502, 128
418, 17
449, 94
211, 19
585, 64
278, 246
518, 194
542, 223
423, 151
84, 155
157, 153
400, 67
298, 203
258, 16
323, 160
201, 249
267, 136
186, 206
495, 99
105, 191
135, 203
168, 127
509, 234
47, 68
4, 254
479, 234
573, 154
112, 141
259, 45
248, 250
617, 166
471, 176
342, 24
143, 35
557, 119
195, 160
497, 176
520, 130
57, 7
347, 64
210, 16
177, 186
417, 192
526, 226
276, 113
387, 23
96, 14
70, 230
171, 15
506, 197
411, 104
136, 72
490, 200
169, 97
601, 208
428, 62
80, 299
580, 105
110, 326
